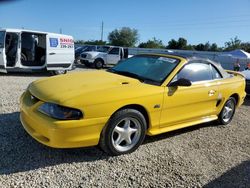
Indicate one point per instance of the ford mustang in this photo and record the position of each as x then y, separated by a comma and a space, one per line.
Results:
147, 94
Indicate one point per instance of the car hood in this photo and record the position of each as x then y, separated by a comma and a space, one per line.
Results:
93, 53
90, 87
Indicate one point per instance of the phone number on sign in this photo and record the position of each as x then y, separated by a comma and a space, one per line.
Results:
67, 46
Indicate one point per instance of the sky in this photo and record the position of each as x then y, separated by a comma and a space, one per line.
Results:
198, 21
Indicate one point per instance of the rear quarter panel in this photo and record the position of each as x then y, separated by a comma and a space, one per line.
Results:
235, 84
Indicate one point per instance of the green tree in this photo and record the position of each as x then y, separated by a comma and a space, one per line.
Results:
80, 42
90, 42
154, 43
214, 47
245, 46
189, 47
181, 44
203, 47
233, 44
123, 37
207, 47
172, 44
95, 42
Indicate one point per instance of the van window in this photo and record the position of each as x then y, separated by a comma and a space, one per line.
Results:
2, 36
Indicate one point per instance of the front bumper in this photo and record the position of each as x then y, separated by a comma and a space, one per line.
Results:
91, 61
87, 63
58, 133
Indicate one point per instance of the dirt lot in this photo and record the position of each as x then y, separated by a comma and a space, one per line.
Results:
204, 155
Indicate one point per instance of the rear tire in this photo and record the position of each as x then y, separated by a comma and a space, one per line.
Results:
227, 112
124, 132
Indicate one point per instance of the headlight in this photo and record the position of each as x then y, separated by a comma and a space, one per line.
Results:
60, 112
89, 56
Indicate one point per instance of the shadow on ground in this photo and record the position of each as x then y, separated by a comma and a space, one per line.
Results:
19, 152
247, 101
26, 74
238, 176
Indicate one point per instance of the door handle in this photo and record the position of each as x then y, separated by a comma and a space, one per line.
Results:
211, 92
52, 53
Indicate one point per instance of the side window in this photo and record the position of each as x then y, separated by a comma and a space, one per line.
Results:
195, 72
215, 73
114, 51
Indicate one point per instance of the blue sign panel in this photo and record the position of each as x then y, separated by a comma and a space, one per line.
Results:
53, 42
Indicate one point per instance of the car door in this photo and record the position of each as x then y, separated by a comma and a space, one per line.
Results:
187, 104
2, 52
113, 56
60, 51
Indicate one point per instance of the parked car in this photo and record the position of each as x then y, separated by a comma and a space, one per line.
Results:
116, 108
81, 49
27, 50
108, 55
246, 73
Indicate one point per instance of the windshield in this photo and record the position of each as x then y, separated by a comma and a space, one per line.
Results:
104, 49
2, 36
80, 48
147, 68
89, 48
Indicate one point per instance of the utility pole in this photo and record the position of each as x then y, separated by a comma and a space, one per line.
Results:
60, 30
102, 31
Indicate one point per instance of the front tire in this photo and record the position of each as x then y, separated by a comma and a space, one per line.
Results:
227, 112
124, 132
58, 72
98, 64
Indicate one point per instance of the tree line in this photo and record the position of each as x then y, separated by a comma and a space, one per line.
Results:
129, 37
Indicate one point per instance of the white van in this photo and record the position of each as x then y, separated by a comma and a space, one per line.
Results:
26, 50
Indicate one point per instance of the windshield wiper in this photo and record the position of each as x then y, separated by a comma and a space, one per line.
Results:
129, 74
136, 76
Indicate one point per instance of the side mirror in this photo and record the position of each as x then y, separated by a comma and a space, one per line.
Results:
181, 82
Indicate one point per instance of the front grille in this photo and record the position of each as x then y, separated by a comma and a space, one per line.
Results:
84, 55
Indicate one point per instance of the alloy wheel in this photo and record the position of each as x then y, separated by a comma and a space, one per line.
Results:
126, 134
228, 111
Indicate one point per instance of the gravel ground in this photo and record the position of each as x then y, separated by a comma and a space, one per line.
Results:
200, 156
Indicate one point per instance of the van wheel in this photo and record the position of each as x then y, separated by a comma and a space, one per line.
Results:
98, 64
58, 72
124, 132
227, 112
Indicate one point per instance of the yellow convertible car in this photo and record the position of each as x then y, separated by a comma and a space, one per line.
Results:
147, 94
